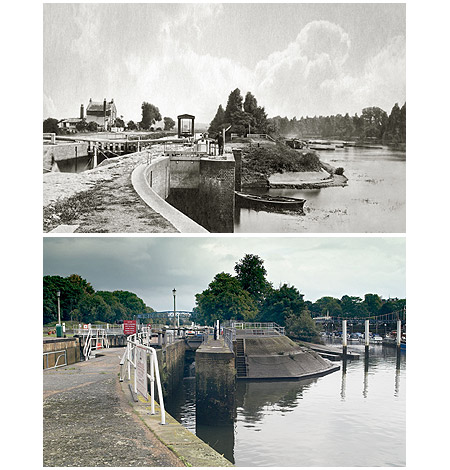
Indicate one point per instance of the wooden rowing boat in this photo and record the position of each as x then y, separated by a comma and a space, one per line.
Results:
277, 202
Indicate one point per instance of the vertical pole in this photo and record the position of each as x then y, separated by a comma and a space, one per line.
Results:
366, 338
399, 342
135, 367
152, 381
344, 337
160, 395
95, 156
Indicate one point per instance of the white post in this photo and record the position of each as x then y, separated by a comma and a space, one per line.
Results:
95, 156
160, 395
344, 333
152, 382
366, 333
399, 333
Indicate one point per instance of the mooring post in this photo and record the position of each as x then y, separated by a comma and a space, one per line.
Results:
366, 337
399, 342
344, 337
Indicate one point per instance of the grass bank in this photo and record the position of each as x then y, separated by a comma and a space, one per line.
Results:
260, 163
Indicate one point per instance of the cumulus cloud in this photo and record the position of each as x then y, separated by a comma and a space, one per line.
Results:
310, 76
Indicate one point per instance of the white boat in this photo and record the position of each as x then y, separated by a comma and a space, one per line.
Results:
376, 339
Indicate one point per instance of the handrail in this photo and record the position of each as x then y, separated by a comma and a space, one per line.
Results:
63, 353
129, 359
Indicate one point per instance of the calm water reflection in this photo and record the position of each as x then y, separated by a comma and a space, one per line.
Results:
355, 418
373, 200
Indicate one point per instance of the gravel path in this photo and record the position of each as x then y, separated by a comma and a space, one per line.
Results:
88, 422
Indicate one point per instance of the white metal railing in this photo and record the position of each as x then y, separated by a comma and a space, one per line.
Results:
61, 353
95, 339
129, 361
257, 329
229, 335
110, 329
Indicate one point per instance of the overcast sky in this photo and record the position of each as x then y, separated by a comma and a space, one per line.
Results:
152, 266
297, 59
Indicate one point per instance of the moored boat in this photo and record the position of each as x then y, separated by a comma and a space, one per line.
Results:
279, 202
320, 145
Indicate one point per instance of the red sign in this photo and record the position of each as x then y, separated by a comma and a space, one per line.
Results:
129, 327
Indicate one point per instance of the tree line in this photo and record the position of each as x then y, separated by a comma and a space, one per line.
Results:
80, 302
245, 116
248, 296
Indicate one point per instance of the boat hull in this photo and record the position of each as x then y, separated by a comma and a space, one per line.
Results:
270, 202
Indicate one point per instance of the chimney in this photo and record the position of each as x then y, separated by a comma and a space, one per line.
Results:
104, 106
82, 111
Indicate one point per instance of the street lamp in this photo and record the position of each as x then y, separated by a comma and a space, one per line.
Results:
174, 292
58, 295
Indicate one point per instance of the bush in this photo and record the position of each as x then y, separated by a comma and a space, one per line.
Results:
279, 159
339, 171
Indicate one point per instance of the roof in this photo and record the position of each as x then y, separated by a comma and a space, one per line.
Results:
186, 116
98, 106
71, 120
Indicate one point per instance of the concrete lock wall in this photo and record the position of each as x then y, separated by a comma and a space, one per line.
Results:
63, 151
71, 346
184, 172
171, 365
157, 175
215, 376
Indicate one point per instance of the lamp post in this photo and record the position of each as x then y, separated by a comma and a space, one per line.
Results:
58, 295
174, 292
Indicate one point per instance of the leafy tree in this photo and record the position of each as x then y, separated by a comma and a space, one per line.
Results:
119, 123
133, 304
169, 123
81, 126
217, 123
302, 327
353, 307
251, 274
372, 303
150, 114
92, 126
281, 303
328, 305
225, 299
131, 126
51, 125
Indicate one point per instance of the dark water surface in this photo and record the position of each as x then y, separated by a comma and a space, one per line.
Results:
372, 201
356, 418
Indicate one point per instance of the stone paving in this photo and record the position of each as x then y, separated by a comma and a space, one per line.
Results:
88, 421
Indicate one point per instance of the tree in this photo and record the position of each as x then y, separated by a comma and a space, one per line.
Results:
150, 114
216, 124
81, 126
251, 274
327, 305
225, 299
119, 123
92, 126
169, 123
302, 327
372, 303
131, 126
281, 303
51, 125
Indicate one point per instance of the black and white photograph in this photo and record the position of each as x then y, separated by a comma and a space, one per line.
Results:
224, 118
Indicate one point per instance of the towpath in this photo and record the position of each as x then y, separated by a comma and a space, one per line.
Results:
101, 200
88, 420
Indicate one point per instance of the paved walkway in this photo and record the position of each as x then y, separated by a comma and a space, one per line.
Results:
88, 421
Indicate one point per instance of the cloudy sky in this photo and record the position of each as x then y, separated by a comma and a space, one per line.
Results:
297, 59
152, 266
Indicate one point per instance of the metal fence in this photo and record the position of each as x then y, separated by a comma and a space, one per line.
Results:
257, 329
137, 345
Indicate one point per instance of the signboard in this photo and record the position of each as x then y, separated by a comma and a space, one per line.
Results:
129, 327
141, 371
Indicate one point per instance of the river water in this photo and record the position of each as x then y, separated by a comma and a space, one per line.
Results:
352, 418
373, 200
